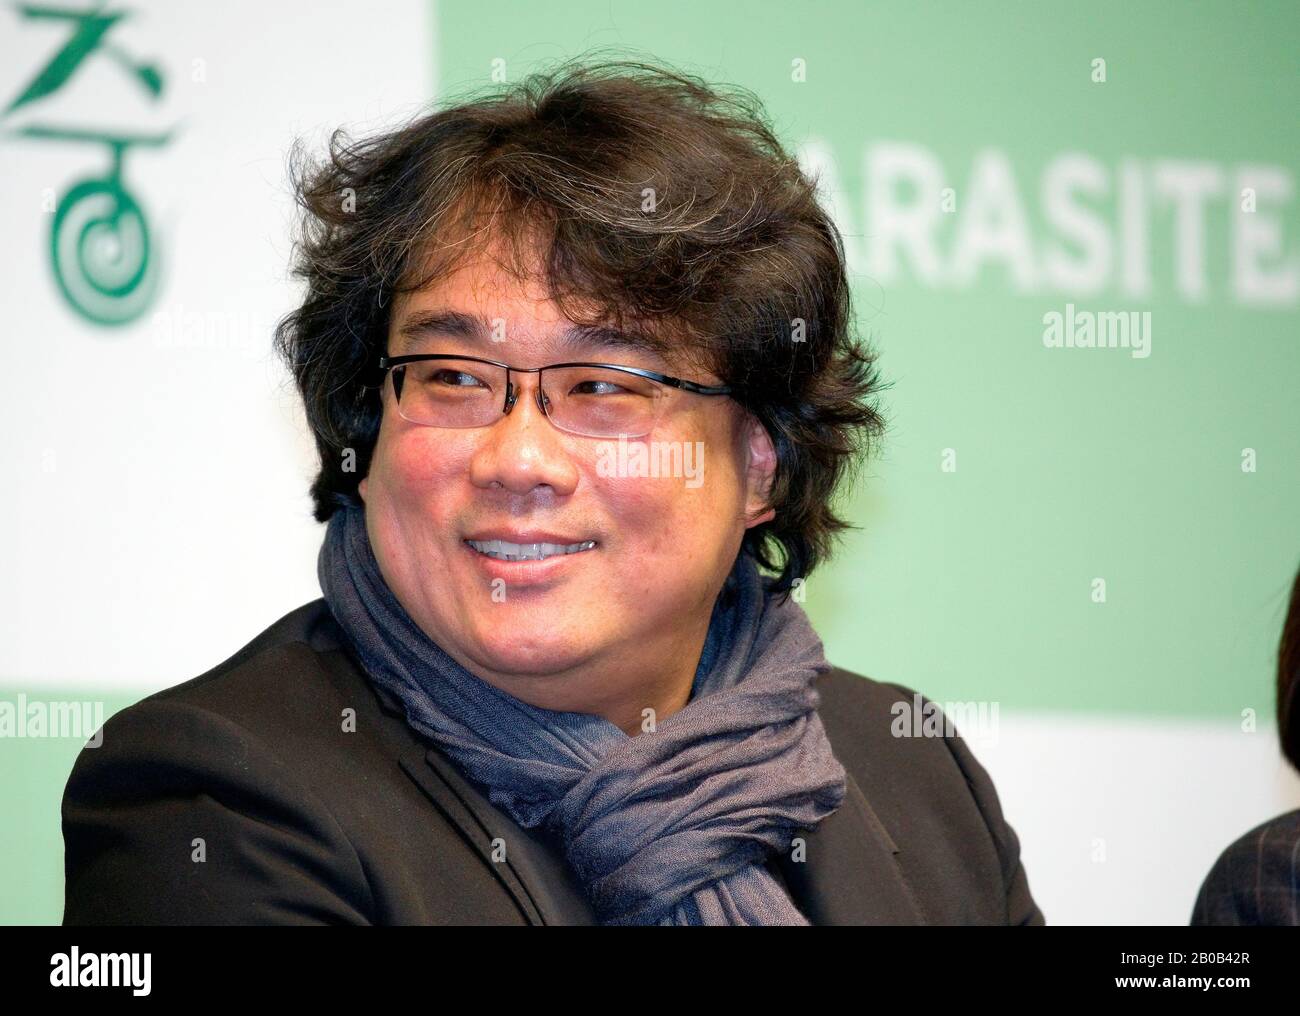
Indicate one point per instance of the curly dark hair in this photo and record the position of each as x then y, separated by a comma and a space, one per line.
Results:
658, 198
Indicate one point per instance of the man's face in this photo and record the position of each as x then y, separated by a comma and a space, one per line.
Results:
663, 545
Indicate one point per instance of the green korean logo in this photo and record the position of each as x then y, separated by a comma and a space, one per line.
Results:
104, 260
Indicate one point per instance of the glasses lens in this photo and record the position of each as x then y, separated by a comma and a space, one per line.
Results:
599, 402
450, 393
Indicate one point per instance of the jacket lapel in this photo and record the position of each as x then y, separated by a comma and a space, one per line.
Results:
533, 869
850, 874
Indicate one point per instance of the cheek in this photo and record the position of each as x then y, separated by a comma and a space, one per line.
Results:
688, 518
416, 463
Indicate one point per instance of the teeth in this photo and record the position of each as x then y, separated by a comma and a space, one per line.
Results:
504, 551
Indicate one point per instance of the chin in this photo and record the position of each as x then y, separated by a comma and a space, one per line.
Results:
510, 650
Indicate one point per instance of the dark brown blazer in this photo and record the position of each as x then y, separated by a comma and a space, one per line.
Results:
284, 787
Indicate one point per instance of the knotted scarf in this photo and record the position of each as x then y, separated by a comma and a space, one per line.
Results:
672, 826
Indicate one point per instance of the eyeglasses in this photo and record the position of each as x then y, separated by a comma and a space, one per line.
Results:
589, 399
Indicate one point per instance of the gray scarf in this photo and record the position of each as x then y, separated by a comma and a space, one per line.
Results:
671, 826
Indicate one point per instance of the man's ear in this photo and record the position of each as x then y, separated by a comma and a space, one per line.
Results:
761, 473
361, 487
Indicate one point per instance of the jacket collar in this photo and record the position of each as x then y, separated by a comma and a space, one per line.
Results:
849, 874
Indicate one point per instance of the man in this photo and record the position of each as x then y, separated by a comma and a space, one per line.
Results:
578, 361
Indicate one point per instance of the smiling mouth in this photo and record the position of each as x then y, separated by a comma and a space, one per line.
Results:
502, 550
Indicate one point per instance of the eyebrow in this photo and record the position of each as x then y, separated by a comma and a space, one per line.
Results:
477, 329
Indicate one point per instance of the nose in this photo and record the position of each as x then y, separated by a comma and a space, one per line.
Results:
522, 450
